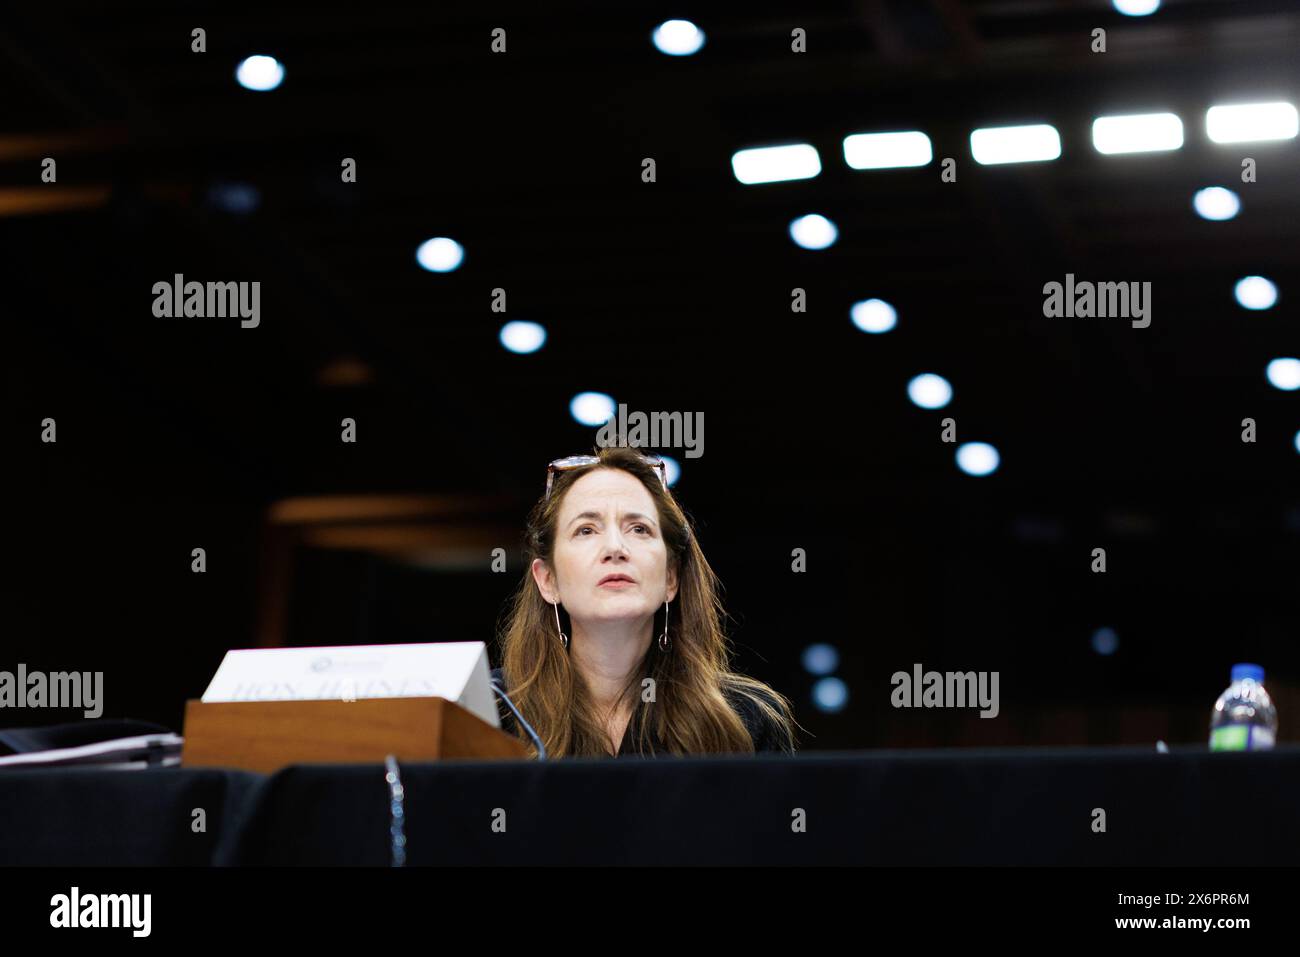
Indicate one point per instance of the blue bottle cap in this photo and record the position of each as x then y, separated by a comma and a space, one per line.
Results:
1253, 672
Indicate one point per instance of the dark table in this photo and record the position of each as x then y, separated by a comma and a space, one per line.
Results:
1001, 806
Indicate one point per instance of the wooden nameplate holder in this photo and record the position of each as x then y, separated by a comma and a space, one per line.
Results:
266, 736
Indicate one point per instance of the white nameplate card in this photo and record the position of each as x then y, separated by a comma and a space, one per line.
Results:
455, 670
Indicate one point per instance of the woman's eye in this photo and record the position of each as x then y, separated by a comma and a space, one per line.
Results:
643, 528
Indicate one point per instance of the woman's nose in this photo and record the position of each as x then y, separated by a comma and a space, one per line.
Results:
614, 542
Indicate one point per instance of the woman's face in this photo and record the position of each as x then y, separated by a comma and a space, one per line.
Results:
608, 525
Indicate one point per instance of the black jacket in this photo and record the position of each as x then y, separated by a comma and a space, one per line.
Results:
766, 734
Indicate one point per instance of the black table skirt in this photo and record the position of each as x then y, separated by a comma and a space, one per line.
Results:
1003, 806
113, 818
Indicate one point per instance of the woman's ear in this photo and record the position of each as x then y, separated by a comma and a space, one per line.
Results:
545, 580
672, 582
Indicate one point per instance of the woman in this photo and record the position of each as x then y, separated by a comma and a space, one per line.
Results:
609, 547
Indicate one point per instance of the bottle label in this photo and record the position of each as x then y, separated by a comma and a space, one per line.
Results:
1231, 737
1240, 737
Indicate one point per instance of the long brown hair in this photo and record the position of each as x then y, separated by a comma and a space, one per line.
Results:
691, 713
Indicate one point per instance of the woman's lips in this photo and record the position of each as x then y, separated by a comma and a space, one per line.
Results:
617, 583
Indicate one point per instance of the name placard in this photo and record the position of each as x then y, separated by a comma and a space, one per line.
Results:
455, 670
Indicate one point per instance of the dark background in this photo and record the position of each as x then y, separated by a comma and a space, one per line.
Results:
175, 434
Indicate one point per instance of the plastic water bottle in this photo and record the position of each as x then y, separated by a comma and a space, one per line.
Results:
1244, 718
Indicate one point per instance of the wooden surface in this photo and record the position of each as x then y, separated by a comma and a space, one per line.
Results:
265, 736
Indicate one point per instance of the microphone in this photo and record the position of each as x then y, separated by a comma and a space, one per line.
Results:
537, 742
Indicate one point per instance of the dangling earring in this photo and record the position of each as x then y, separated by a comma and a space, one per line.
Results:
564, 639
664, 641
